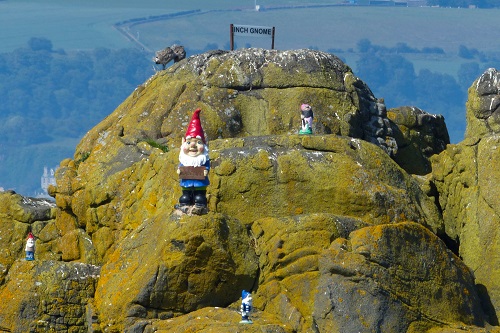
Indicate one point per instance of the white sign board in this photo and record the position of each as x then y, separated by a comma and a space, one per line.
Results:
252, 30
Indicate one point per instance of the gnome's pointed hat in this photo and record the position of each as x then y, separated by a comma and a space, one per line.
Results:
30, 235
194, 128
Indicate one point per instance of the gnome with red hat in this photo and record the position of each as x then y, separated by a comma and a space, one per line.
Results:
30, 247
193, 169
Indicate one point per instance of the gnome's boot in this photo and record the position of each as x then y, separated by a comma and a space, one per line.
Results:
185, 201
200, 202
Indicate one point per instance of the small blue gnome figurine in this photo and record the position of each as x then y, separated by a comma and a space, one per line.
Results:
246, 307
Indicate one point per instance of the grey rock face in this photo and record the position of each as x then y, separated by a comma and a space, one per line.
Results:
483, 105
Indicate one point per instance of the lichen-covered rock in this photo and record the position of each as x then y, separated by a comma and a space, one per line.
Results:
218, 320
419, 135
47, 296
251, 178
117, 171
483, 105
24, 209
18, 216
466, 176
171, 266
118, 178
289, 251
279, 176
248, 92
327, 231
388, 277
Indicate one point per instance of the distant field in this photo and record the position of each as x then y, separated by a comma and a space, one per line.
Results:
76, 24
73, 25
341, 27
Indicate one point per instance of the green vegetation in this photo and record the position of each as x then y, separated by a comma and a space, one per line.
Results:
155, 144
83, 157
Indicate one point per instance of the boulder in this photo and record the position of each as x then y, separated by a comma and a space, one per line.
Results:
464, 176
392, 277
47, 296
174, 265
326, 273
483, 105
418, 135
18, 216
249, 92
278, 176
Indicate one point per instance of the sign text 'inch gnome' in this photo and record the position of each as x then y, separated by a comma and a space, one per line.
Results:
251, 31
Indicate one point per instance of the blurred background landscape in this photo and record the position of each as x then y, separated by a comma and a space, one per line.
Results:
65, 65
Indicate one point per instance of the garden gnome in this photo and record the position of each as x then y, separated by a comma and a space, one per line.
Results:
193, 169
246, 307
306, 117
30, 247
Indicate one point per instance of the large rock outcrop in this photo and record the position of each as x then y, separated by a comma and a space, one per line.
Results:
331, 232
466, 176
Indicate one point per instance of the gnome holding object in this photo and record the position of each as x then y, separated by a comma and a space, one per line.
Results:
193, 169
246, 307
30, 247
306, 117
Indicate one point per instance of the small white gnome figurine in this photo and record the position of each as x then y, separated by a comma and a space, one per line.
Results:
306, 118
30, 247
246, 307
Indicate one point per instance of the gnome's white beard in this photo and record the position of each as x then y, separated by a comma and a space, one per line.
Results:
30, 245
199, 160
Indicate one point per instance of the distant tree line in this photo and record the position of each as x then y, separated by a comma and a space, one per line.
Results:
47, 94
391, 76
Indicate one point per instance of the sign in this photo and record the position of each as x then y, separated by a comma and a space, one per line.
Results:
190, 172
251, 31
